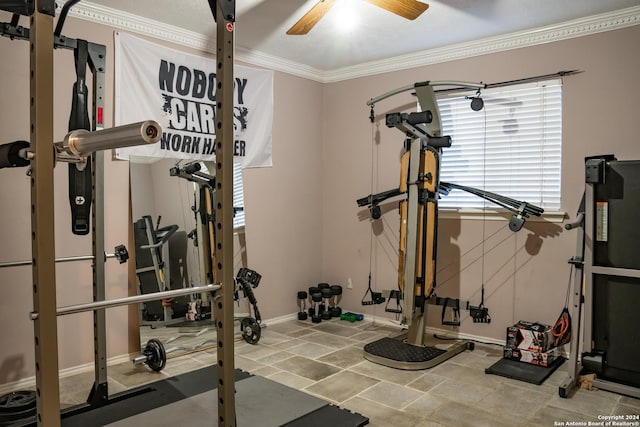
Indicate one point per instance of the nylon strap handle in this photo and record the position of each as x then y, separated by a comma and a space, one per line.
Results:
80, 192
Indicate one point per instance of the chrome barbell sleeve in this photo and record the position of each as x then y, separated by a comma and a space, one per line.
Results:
81, 142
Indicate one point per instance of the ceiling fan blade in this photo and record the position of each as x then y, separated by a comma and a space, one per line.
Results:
409, 9
311, 18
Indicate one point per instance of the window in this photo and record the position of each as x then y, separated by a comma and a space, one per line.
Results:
238, 192
511, 147
238, 197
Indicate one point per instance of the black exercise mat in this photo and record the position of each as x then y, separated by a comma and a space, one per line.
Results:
139, 404
329, 415
259, 402
522, 371
141, 399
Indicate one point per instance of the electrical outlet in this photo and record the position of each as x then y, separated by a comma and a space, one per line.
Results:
349, 283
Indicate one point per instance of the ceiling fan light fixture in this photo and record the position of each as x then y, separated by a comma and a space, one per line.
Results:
409, 9
345, 16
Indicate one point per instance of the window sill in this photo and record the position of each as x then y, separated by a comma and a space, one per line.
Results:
496, 215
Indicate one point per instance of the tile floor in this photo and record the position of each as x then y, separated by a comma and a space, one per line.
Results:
325, 360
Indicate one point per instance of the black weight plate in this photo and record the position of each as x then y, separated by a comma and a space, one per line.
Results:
257, 331
251, 330
302, 294
156, 355
18, 401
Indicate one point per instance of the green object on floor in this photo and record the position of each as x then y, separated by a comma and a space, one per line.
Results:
348, 316
351, 317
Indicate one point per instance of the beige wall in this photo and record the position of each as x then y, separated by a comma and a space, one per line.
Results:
525, 273
73, 279
303, 225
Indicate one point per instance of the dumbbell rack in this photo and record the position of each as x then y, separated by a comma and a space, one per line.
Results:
323, 302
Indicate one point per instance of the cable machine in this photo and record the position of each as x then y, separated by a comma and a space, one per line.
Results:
205, 238
420, 188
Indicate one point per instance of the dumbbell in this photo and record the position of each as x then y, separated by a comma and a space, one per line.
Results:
316, 317
336, 297
302, 305
312, 290
326, 296
323, 306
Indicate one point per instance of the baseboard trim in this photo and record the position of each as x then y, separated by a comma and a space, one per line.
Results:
29, 383
441, 332
455, 334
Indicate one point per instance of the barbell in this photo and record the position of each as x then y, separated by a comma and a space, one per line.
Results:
120, 253
116, 302
154, 354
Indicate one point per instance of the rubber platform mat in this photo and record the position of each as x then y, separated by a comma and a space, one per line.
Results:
522, 371
141, 399
400, 351
190, 399
259, 402
329, 415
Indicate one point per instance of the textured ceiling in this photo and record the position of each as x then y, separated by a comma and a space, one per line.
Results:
261, 25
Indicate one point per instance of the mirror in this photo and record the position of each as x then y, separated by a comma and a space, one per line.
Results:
169, 200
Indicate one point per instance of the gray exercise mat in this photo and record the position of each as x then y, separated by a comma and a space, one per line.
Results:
259, 402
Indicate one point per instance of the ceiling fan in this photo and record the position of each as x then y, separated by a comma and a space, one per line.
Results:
409, 9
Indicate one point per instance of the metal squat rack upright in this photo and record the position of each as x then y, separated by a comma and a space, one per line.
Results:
42, 158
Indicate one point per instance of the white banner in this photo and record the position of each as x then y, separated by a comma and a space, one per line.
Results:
177, 90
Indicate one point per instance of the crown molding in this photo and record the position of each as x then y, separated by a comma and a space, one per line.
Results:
551, 33
136, 24
147, 27
570, 29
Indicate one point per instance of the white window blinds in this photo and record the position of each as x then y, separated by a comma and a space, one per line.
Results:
238, 197
511, 147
